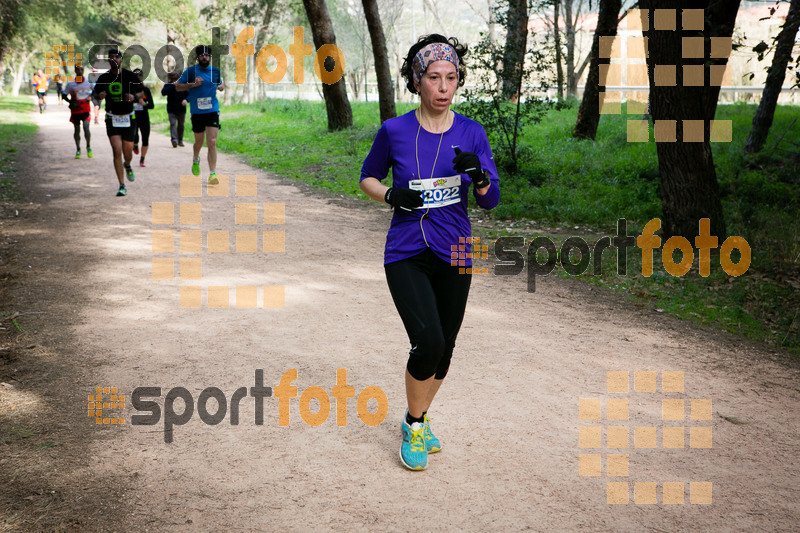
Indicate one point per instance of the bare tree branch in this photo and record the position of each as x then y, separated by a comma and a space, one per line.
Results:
432, 7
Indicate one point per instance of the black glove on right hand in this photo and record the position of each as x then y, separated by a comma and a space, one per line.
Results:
469, 164
406, 199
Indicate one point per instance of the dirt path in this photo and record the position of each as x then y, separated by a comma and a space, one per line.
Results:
508, 415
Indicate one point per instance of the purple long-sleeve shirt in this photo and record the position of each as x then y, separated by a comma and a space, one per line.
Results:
443, 221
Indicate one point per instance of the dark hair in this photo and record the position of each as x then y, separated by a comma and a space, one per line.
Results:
425, 40
202, 48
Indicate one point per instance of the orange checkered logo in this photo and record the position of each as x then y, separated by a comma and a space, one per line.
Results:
256, 229
106, 399
468, 248
613, 430
63, 56
627, 54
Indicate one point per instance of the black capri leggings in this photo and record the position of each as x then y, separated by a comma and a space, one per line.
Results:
431, 297
143, 125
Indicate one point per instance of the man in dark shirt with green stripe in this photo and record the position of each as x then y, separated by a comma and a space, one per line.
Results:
120, 88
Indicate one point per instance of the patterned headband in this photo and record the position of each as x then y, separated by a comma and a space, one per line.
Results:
429, 54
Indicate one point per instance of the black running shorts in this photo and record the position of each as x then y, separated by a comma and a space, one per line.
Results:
126, 133
205, 120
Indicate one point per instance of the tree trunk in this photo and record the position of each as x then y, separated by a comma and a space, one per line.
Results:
762, 121
492, 23
171, 49
340, 115
354, 82
229, 59
688, 180
398, 61
16, 77
18, 74
589, 111
557, 38
569, 24
246, 87
516, 42
382, 71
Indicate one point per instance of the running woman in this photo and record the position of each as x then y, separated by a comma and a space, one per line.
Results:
435, 156
203, 81
120, 88
42, 83
142, 119
78, 95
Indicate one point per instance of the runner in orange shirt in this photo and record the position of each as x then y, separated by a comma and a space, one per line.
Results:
42, 83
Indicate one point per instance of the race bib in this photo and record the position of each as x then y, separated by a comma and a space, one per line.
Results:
438, 192
138, 107
121, 121
204, 103
84, 94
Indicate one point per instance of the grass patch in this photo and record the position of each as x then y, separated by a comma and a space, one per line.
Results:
562, 181
16, 128
17, 434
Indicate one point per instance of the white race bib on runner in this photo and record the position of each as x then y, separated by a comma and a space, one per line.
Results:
121, 121
138, 107
204, 103
84, 94
438, 192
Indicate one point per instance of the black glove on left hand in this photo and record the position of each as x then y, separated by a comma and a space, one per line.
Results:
469, 164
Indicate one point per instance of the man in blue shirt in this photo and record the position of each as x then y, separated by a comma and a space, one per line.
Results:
203, 81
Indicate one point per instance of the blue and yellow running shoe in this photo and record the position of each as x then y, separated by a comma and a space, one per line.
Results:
412, 451
432, 444
89, 153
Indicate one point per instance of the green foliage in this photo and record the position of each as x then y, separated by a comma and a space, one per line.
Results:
10, 22
41, 24
290, 137
566, 180
178, 15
